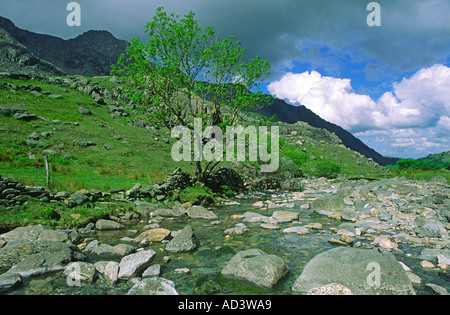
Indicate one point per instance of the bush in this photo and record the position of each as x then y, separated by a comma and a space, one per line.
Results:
195, 195
327, 169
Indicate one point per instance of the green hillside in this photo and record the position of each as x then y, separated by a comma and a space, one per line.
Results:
105, 152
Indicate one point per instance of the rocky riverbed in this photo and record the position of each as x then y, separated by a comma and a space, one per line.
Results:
353, 237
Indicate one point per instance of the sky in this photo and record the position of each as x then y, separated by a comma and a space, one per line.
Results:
389, 85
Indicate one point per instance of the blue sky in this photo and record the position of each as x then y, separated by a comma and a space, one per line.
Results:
387, 85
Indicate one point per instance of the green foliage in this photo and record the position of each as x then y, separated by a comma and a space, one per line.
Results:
410, 164
327, 169
185, 71
195, 195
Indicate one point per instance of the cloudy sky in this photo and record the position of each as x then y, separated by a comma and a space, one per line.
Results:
388, 85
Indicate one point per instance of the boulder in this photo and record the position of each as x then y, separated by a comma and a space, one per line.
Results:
80, 271
153, 235
330, 203
35, 233
184, 241
256, 267
362, 271
199, 212
84, 111
107, 225
153, 286
285, 216
135, 264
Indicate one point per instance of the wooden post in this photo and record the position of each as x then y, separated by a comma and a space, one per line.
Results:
47, 171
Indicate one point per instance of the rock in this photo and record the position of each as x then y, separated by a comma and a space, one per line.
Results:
425, 264
9, 282
349, 215
31, 258
330, 203
107, 225
269, 226
153, 286
363, 271
258, 204
25, 116
237, 230
184, 241
104, 249
256, 267
330, 289
111, 272
285, 216
254, 217
152, 271
84, 111
430, 229
437, 289
300, 230
168, 212
80, 271
79, 198
145, 208
135, 264
199, 212
153, 235
384, 242
35, 233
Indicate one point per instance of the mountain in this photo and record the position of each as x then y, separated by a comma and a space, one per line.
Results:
442, 159
90, 54
17, 58
291, 114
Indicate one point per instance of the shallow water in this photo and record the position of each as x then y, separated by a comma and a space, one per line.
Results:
215, 251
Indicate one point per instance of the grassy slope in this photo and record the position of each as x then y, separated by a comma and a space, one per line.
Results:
137, 157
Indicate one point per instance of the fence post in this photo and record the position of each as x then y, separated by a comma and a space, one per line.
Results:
47, 171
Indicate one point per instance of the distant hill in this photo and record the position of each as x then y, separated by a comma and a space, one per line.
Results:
291, 114
91, 53
442, 159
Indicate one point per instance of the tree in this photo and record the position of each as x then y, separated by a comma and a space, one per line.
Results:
184, 72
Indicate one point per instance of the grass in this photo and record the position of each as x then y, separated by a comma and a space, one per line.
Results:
137, 157
55, 215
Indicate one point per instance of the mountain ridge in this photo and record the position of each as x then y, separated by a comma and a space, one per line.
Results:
90, 53
291, 114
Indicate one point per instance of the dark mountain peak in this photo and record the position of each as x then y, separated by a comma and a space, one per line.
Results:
91, 53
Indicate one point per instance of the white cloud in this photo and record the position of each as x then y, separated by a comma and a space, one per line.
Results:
398, 116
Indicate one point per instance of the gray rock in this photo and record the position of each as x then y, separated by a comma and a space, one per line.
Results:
256, 267
10, 282
35, 233
79, 198
153, 286
135, 264
430, 229
184, 241
80, 271
97, 248
199, 212
107, 225
363, 271
145, 208
349, 215
330, 203
25, 116
152, 271
436, 289
38, 257
84, 111
168, 212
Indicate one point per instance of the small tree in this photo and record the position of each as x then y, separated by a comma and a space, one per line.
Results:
185, 72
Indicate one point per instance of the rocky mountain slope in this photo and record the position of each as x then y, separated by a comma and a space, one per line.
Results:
91, 53
17, 58
291, 114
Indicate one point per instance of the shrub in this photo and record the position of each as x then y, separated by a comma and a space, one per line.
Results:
327, 169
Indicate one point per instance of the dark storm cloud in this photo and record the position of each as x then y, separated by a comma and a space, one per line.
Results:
413, 34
